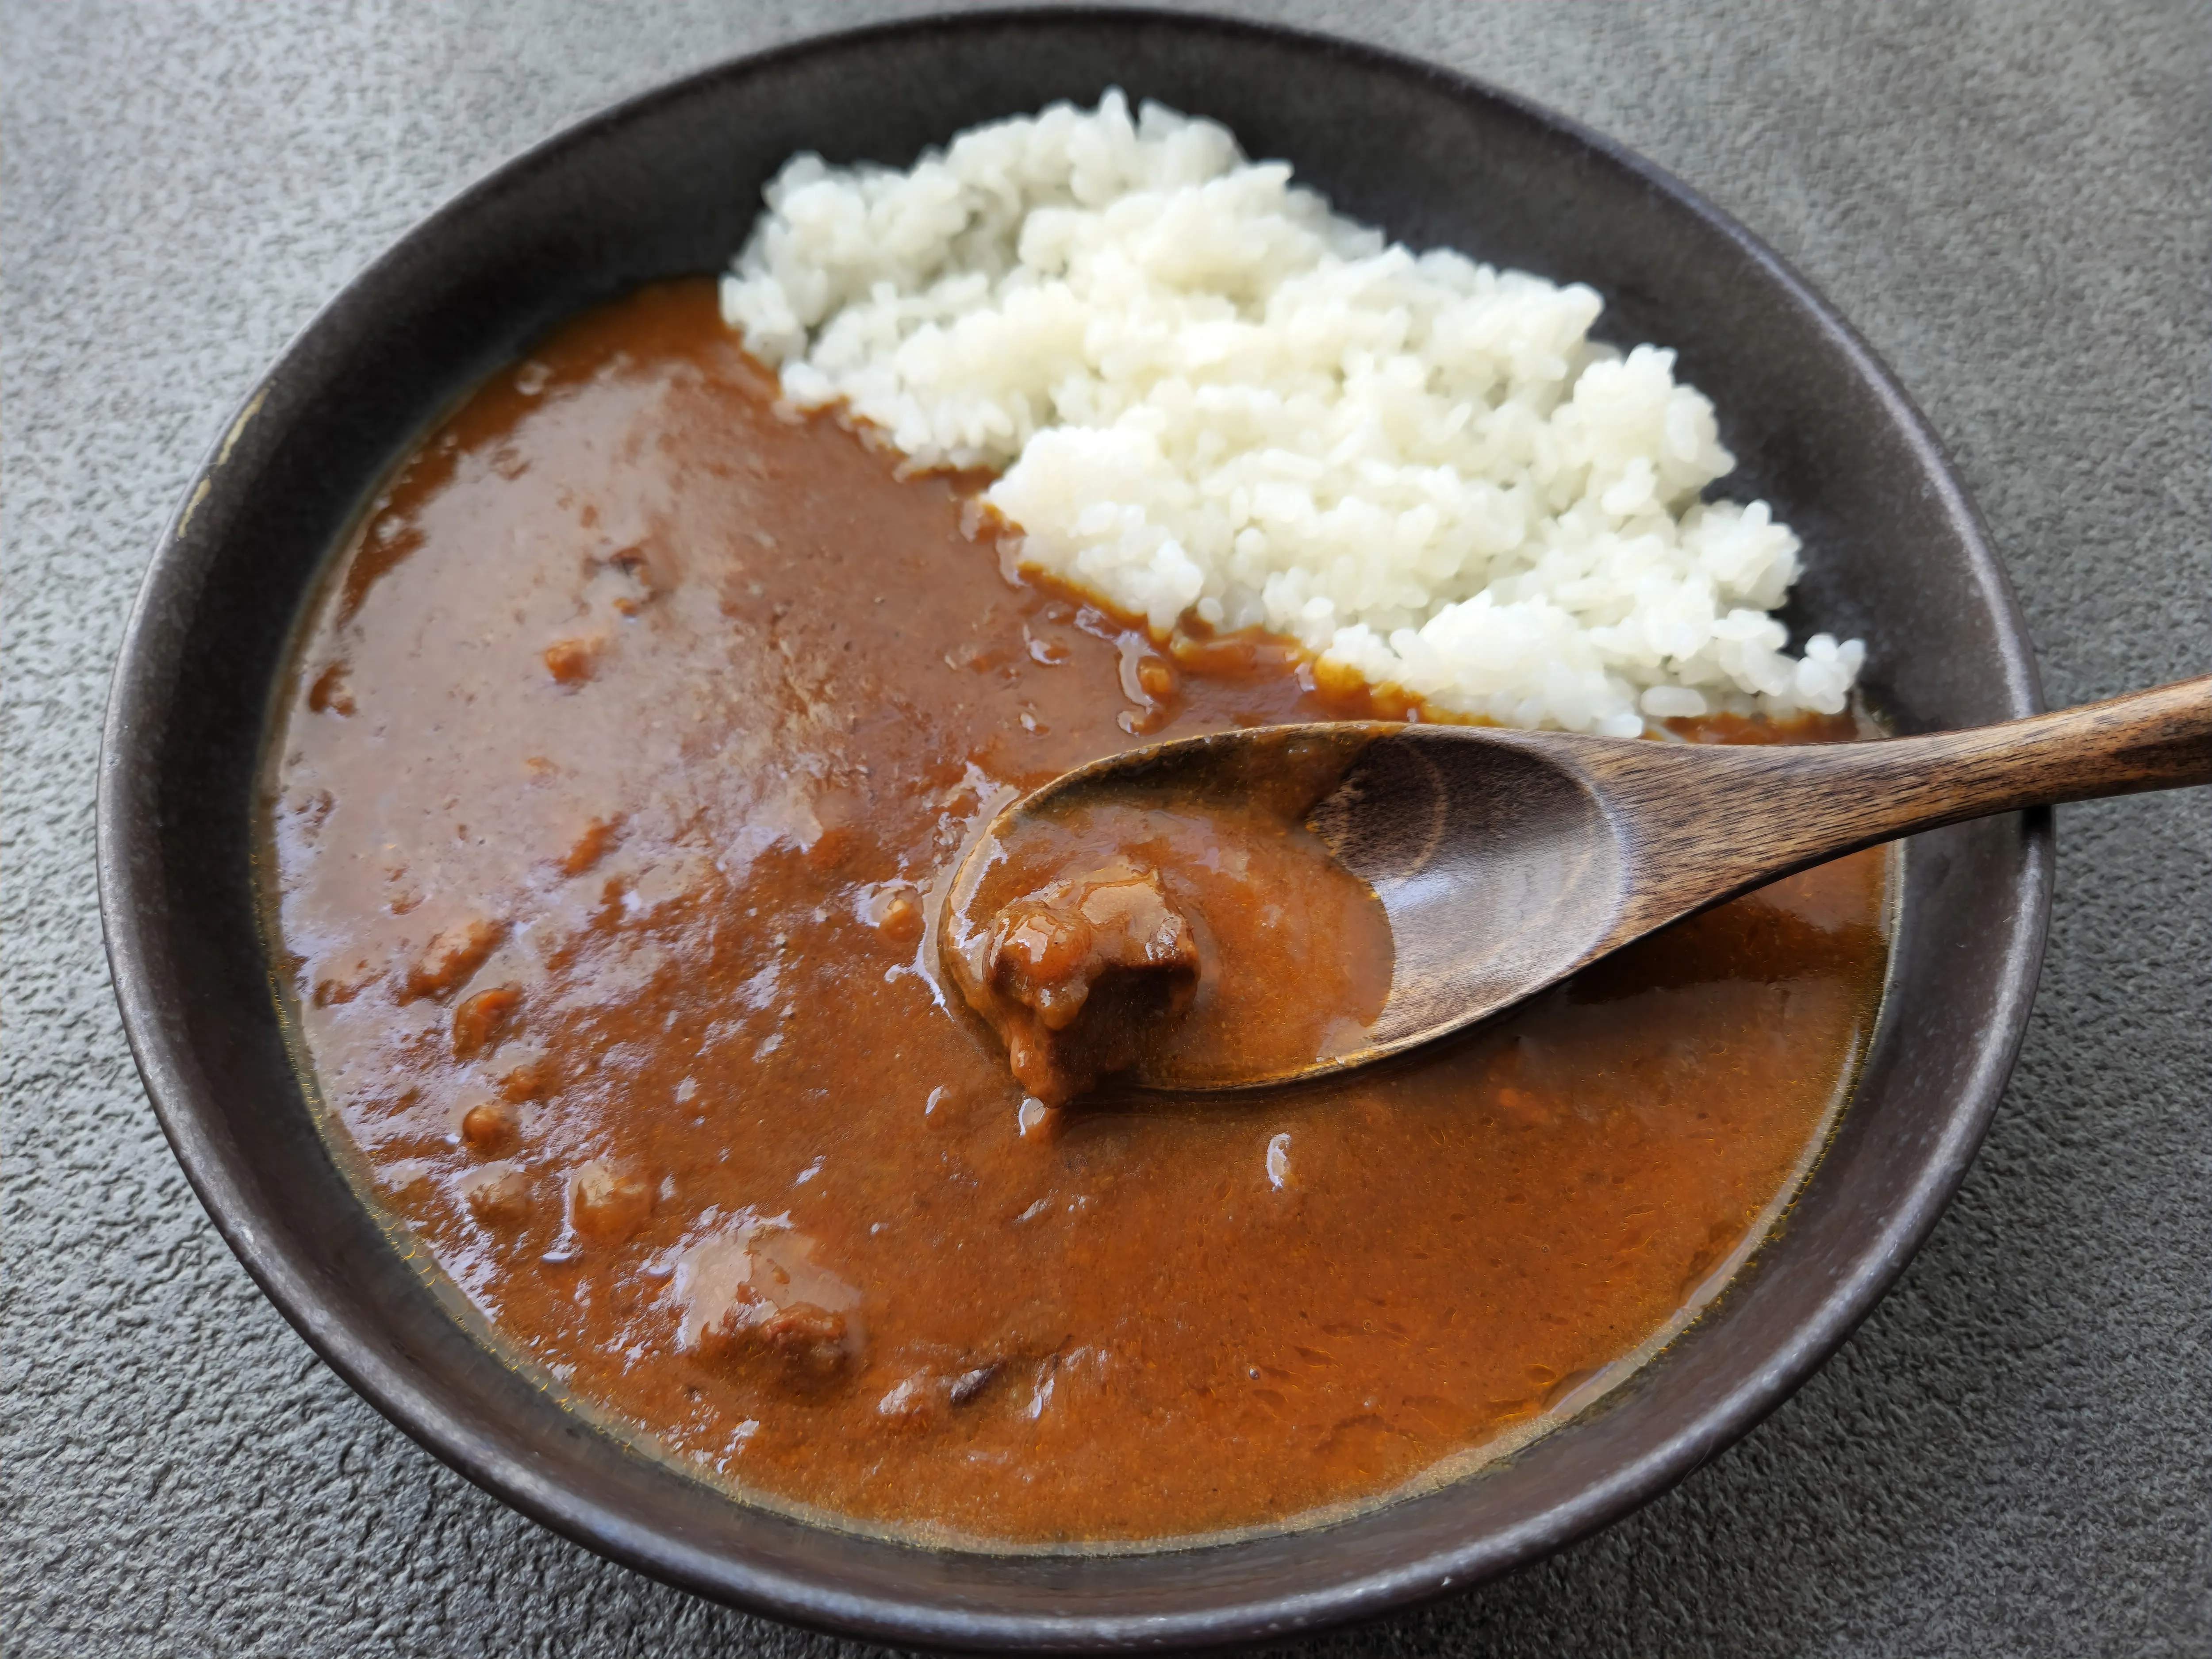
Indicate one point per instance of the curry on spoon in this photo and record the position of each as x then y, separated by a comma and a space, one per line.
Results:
1130, 919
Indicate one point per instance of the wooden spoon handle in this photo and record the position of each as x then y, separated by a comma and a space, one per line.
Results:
2156, 739
1734, 817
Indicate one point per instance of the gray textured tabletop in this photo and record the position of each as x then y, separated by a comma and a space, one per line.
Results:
2012, 199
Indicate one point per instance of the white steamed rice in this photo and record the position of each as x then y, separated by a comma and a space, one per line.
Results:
1210, 396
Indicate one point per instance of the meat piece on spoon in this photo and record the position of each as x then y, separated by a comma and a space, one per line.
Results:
1081, 972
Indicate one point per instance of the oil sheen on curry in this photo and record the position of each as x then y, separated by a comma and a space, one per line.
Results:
633, 742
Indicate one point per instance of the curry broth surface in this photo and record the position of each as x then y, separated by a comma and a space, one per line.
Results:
627, 743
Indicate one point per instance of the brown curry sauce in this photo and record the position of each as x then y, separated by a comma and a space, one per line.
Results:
629, 743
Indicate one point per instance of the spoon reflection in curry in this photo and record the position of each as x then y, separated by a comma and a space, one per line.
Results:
1502, 860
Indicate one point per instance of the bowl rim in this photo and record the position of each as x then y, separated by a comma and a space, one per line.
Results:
128, 900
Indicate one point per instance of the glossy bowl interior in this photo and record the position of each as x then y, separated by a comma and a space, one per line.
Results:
668, 185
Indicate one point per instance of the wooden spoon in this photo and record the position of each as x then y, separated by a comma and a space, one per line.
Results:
1506, 859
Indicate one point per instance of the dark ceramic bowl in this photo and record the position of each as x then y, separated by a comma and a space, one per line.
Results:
668, 183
